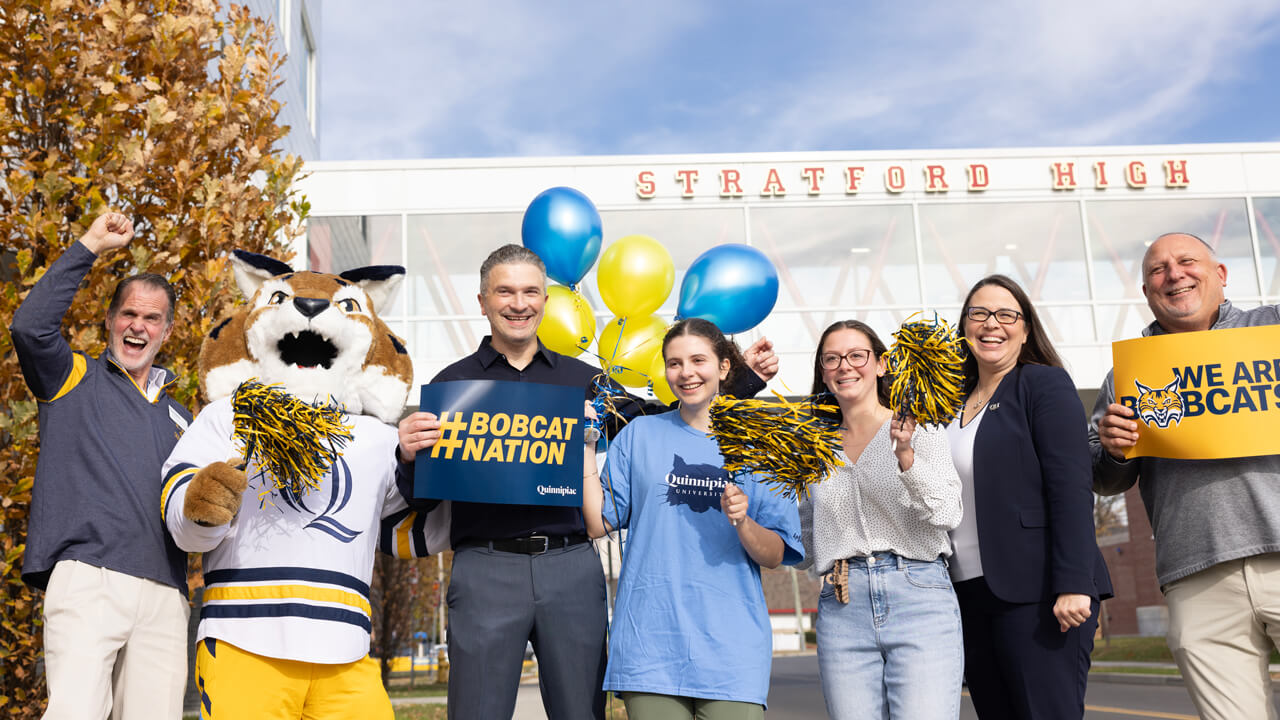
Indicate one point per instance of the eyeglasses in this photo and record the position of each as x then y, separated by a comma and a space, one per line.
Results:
855, 358
1003, 316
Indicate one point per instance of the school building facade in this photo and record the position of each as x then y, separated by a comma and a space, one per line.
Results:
877, 236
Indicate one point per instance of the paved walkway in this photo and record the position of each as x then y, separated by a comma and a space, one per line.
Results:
529, 702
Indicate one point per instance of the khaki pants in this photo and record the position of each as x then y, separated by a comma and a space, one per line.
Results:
113, 643
1223, 622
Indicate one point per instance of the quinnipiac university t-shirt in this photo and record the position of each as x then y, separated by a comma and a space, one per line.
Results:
690, 617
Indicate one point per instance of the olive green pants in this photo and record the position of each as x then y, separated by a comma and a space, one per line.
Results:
647, 706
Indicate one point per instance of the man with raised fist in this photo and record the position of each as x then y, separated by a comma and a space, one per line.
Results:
115, 607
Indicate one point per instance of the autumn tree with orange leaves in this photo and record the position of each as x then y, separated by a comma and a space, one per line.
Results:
165, 112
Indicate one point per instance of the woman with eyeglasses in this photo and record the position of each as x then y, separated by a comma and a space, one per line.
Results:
1026, 567
889, 641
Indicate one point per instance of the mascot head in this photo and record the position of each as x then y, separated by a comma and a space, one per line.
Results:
317, 335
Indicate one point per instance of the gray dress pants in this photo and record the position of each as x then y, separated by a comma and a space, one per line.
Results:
498, 601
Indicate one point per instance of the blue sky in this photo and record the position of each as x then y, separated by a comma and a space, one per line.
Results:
493, 79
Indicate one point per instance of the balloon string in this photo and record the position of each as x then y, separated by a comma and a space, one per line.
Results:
609, 364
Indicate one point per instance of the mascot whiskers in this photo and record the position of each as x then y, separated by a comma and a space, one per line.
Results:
286, 481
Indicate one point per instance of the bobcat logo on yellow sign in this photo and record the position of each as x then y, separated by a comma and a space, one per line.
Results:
1159, 406
1202, 395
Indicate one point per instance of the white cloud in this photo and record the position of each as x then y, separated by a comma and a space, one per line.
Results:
560, 78
420, 77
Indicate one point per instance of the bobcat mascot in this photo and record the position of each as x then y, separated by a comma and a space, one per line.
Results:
284, 631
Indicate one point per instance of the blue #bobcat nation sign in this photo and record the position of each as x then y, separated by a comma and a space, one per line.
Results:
503, 442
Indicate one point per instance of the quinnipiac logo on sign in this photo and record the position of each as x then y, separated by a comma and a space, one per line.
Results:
1161, 405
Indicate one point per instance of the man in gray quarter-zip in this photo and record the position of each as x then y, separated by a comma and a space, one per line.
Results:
115, 607
1216, 522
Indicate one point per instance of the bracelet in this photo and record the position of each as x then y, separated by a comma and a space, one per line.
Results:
590, 475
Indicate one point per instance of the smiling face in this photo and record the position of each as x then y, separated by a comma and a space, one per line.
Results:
693, 370
1183, 283
137, 329
852, 386
995, 345
513, 299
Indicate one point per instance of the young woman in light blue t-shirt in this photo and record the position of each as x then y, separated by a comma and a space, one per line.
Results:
690, 634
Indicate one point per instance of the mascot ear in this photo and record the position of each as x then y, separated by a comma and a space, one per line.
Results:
252, 269
379, 282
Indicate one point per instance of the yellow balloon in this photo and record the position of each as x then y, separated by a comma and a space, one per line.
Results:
627, 345
635, 276
567, 321
658, 379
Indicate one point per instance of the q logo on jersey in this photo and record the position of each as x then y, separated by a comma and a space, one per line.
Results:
1159, 406
340, 487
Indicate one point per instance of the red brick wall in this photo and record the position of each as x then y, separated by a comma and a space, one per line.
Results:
1133, 570
779, 595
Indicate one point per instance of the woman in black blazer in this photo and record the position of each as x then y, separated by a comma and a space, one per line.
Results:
1026, 568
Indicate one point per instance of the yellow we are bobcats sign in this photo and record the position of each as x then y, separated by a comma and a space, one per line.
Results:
1202, 395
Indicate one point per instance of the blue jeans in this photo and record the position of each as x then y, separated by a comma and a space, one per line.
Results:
895, 650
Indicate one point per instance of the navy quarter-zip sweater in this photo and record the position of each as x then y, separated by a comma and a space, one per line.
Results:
96, 496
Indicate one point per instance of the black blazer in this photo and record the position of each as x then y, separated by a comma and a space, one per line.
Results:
1033, 487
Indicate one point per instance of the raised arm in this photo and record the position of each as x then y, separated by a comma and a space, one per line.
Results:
47, 360
592, 492
109, 231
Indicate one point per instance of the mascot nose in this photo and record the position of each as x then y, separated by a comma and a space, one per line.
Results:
310, 307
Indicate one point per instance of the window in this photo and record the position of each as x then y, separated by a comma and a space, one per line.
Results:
307, 72
284, 24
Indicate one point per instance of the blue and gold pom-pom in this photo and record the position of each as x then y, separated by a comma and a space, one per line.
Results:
928, 371
788, 444
293, 441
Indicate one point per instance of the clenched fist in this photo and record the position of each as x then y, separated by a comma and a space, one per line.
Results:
215, 492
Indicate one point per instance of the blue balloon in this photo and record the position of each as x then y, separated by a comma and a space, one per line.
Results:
563, 228
734, 286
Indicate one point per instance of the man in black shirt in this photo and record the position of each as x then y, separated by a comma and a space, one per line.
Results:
526, 572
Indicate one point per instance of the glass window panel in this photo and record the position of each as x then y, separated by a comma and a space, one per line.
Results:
1122, 321
436, 343
853, 257
1038, 244
335, 244
1121, 230
445, 252
685, 233
1066, 324
1267, 217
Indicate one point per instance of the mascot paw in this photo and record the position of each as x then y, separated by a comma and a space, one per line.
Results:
215, 492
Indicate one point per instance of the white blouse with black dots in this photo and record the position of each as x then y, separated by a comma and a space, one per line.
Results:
870, 506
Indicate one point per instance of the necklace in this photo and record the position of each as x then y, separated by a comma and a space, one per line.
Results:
974, 404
